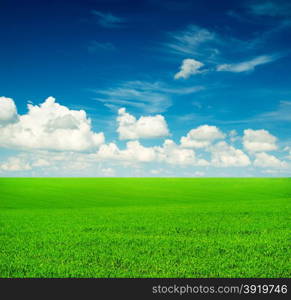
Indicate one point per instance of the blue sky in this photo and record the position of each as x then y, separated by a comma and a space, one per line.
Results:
145, 88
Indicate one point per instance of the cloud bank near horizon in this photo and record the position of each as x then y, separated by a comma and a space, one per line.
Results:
51, 137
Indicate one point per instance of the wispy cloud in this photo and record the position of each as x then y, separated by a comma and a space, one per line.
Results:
248, 65
283, 113
95, 46
150, 97
208, 45
129, 94
271, 8
162, 87
194, 117
191, 66
109, 20
215, 49
190, 40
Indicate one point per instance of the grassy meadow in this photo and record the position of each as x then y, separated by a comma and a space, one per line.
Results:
145, 227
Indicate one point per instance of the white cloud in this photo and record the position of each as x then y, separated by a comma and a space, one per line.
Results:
201, 137
265, 160
61, 161
129, 128
171, 153
50, 126
57, 163
136, 152
15, 164
259, 140
133, 153
108, 152
8, 111
189, 67
224, 155
78, 150
246, 65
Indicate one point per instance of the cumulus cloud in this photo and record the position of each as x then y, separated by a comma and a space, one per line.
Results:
246, 65
169, 153
49, 126
129, 128
201, 137
174, 154
8, 111
60, 140
189, 67
265, 160
225, 155
134, 152
15, 164
259, 140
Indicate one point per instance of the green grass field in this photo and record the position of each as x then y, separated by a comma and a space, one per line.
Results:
143, 227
